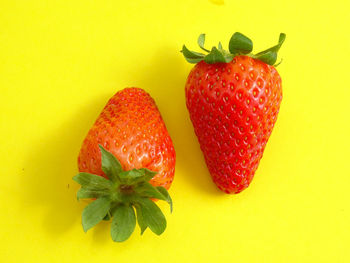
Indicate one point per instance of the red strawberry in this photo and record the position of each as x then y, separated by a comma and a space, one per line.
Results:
134, 165
233, 99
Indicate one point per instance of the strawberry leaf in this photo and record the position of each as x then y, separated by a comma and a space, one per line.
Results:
217, 56
275, 48
131, 175
151, 215
95, 212
191, 56
134, 176
147, 190
140, 219
220, 46
110, 165
239, 43
200, 41
91, 193
123, 224
115, 199
148, 174
93, 181
269, 57
167, 196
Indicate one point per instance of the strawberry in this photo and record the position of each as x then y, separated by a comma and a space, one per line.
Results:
126, 162
233, 99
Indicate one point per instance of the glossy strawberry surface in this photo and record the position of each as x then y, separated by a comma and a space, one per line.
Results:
233, 107
132, 129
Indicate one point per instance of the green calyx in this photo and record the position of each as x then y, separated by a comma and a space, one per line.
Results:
119, 197
239, 45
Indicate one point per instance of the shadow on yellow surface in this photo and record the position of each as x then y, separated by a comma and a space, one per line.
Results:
51, 164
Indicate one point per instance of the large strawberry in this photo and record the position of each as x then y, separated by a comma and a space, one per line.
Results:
233, 99
127, 160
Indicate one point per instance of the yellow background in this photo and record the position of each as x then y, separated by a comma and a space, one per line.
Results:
60, 61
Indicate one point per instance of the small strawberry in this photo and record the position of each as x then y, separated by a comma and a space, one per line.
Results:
233, 99
127, 160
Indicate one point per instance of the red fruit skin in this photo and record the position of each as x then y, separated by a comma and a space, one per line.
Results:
132, 129
233, 107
